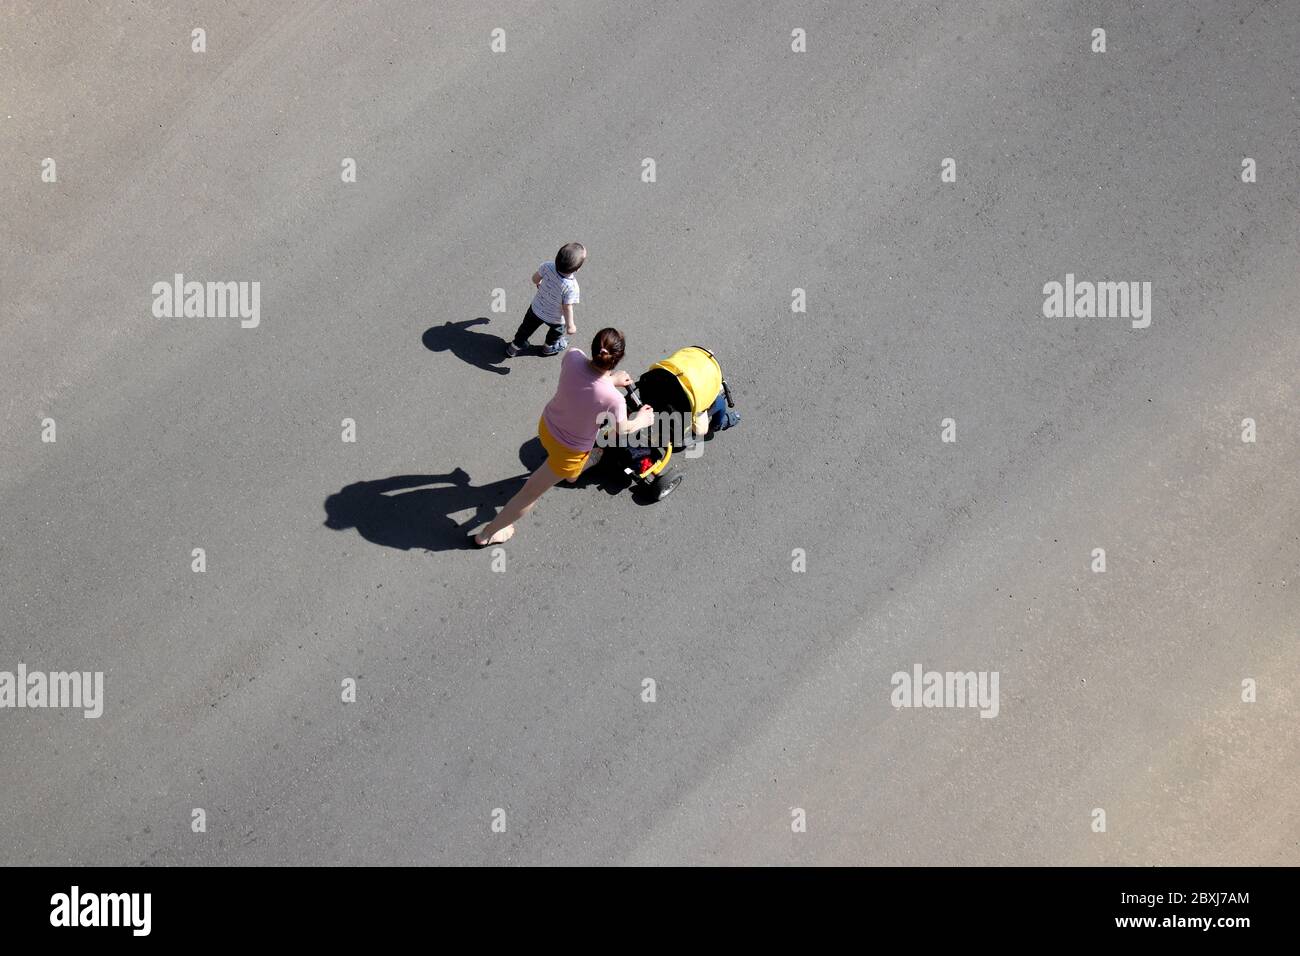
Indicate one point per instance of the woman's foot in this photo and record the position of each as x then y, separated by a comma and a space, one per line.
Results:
501, 537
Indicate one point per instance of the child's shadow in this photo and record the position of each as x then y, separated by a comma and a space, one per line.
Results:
415, 511
480, 349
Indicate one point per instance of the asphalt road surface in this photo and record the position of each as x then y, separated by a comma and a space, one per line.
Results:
1162, 691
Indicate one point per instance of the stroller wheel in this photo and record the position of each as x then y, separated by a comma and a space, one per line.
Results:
666, 485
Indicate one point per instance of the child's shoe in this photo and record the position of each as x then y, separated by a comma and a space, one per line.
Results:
560, 345
511, 350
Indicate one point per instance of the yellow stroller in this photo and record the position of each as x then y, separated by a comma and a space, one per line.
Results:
683, 389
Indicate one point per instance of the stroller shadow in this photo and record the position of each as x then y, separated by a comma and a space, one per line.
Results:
415, 511
480, 349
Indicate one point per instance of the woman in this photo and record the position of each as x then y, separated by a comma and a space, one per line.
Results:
587, 393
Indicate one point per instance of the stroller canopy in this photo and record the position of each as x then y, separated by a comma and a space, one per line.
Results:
697, 373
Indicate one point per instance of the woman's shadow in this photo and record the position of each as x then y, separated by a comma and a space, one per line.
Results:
480, 349
415, 511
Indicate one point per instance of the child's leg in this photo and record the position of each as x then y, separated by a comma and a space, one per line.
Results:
555, 340
527, 327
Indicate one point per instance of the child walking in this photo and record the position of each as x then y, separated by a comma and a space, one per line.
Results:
557, 294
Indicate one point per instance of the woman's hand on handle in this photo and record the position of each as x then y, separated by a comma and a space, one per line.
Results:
643, 419
621, 379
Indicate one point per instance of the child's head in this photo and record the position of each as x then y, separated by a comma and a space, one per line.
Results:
570, 258
607, 349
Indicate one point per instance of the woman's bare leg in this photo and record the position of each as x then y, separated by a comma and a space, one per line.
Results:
501, 527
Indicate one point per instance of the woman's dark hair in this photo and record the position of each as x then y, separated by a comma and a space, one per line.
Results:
607, 349
570, 258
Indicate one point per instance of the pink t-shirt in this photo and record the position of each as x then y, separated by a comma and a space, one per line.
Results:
574, 414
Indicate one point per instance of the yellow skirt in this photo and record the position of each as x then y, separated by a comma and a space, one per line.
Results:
564, 461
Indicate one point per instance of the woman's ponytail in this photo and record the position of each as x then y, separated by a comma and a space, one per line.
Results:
607, 349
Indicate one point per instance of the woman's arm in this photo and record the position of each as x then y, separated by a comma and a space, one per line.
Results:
616, 421
640, 420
